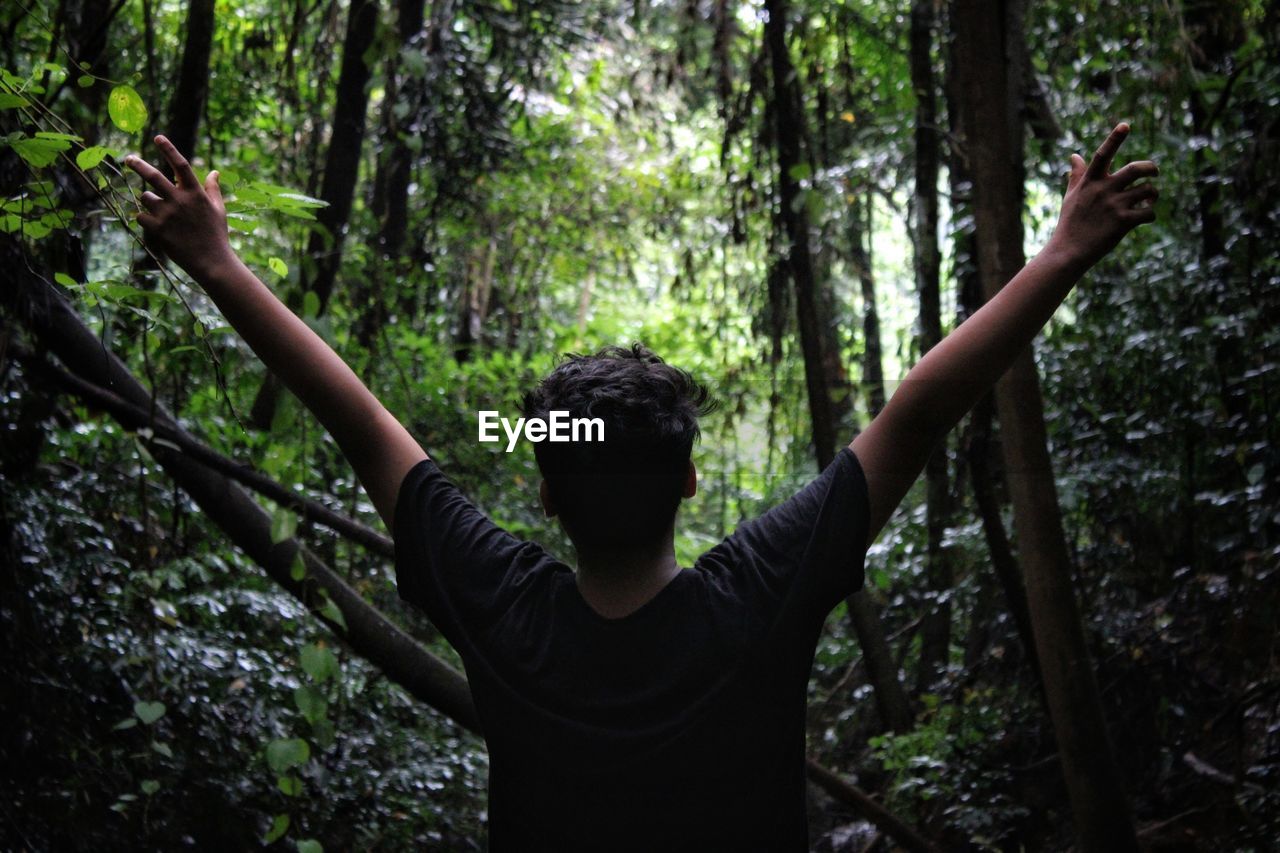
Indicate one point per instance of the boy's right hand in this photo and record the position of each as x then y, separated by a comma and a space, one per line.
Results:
1100, 206
182, 218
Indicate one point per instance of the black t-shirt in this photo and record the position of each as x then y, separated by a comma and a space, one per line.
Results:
677, 727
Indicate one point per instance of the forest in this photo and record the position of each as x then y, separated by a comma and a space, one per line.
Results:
1067, 638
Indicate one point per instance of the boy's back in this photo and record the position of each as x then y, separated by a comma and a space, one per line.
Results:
683, 720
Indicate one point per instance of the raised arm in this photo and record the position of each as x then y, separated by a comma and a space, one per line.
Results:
1099, 209
188, 221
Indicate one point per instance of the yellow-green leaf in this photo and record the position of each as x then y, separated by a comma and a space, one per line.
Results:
126, 109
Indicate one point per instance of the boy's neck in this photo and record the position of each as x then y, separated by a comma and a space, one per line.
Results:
616, 584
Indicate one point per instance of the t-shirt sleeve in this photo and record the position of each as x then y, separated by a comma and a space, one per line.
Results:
808, 550
452, 561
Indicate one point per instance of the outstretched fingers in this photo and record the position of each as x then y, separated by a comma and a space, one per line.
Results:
153, 176
1140, 194
181, 168
1101, 162
1135, 171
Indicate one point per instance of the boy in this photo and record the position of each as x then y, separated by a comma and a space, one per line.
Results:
632, 704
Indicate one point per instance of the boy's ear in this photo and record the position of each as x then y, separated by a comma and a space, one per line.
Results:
548, 505
690, 481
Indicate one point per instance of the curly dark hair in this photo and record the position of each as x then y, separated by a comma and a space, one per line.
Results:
621, 492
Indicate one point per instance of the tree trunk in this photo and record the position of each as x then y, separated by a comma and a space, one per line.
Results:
46, 312
787, 118
392, 178
187, 104
341, 167
979, 450
986, 35
1003, 562
891, 699
935, 625
860, 256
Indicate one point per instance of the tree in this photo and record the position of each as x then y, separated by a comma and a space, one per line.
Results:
890, 698
986, 34
341, 168
935, 628
192, 91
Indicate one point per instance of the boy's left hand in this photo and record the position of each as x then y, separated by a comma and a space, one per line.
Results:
1101, 207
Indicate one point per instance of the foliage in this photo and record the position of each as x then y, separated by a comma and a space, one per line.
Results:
582, 174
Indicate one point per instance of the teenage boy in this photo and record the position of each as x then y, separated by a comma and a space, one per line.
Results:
631, 704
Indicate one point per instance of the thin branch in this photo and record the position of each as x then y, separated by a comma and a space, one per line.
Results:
155, 432
858, 800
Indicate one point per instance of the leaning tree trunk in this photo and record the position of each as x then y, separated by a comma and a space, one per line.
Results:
935, 625
53, 321
341, 166
986, 35
891, 699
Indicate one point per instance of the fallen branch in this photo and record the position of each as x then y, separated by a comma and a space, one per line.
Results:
857, 799
159, 433
46, 312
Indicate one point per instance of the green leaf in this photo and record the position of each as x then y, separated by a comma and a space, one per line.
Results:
90, 157
148, 712
290, 785
283, 754
162, 748
279, 826
126, 109
319, 662
64, 279
298, 570
800, 171
149, 786
278, 266
10, 101
311, 304
323, 733
84, 81
283, 525
117, 292
310, 703
333, 614
127, 723
309, 845
39, 152
59, 218
242, 223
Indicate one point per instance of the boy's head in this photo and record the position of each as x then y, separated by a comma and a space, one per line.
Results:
621, 492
